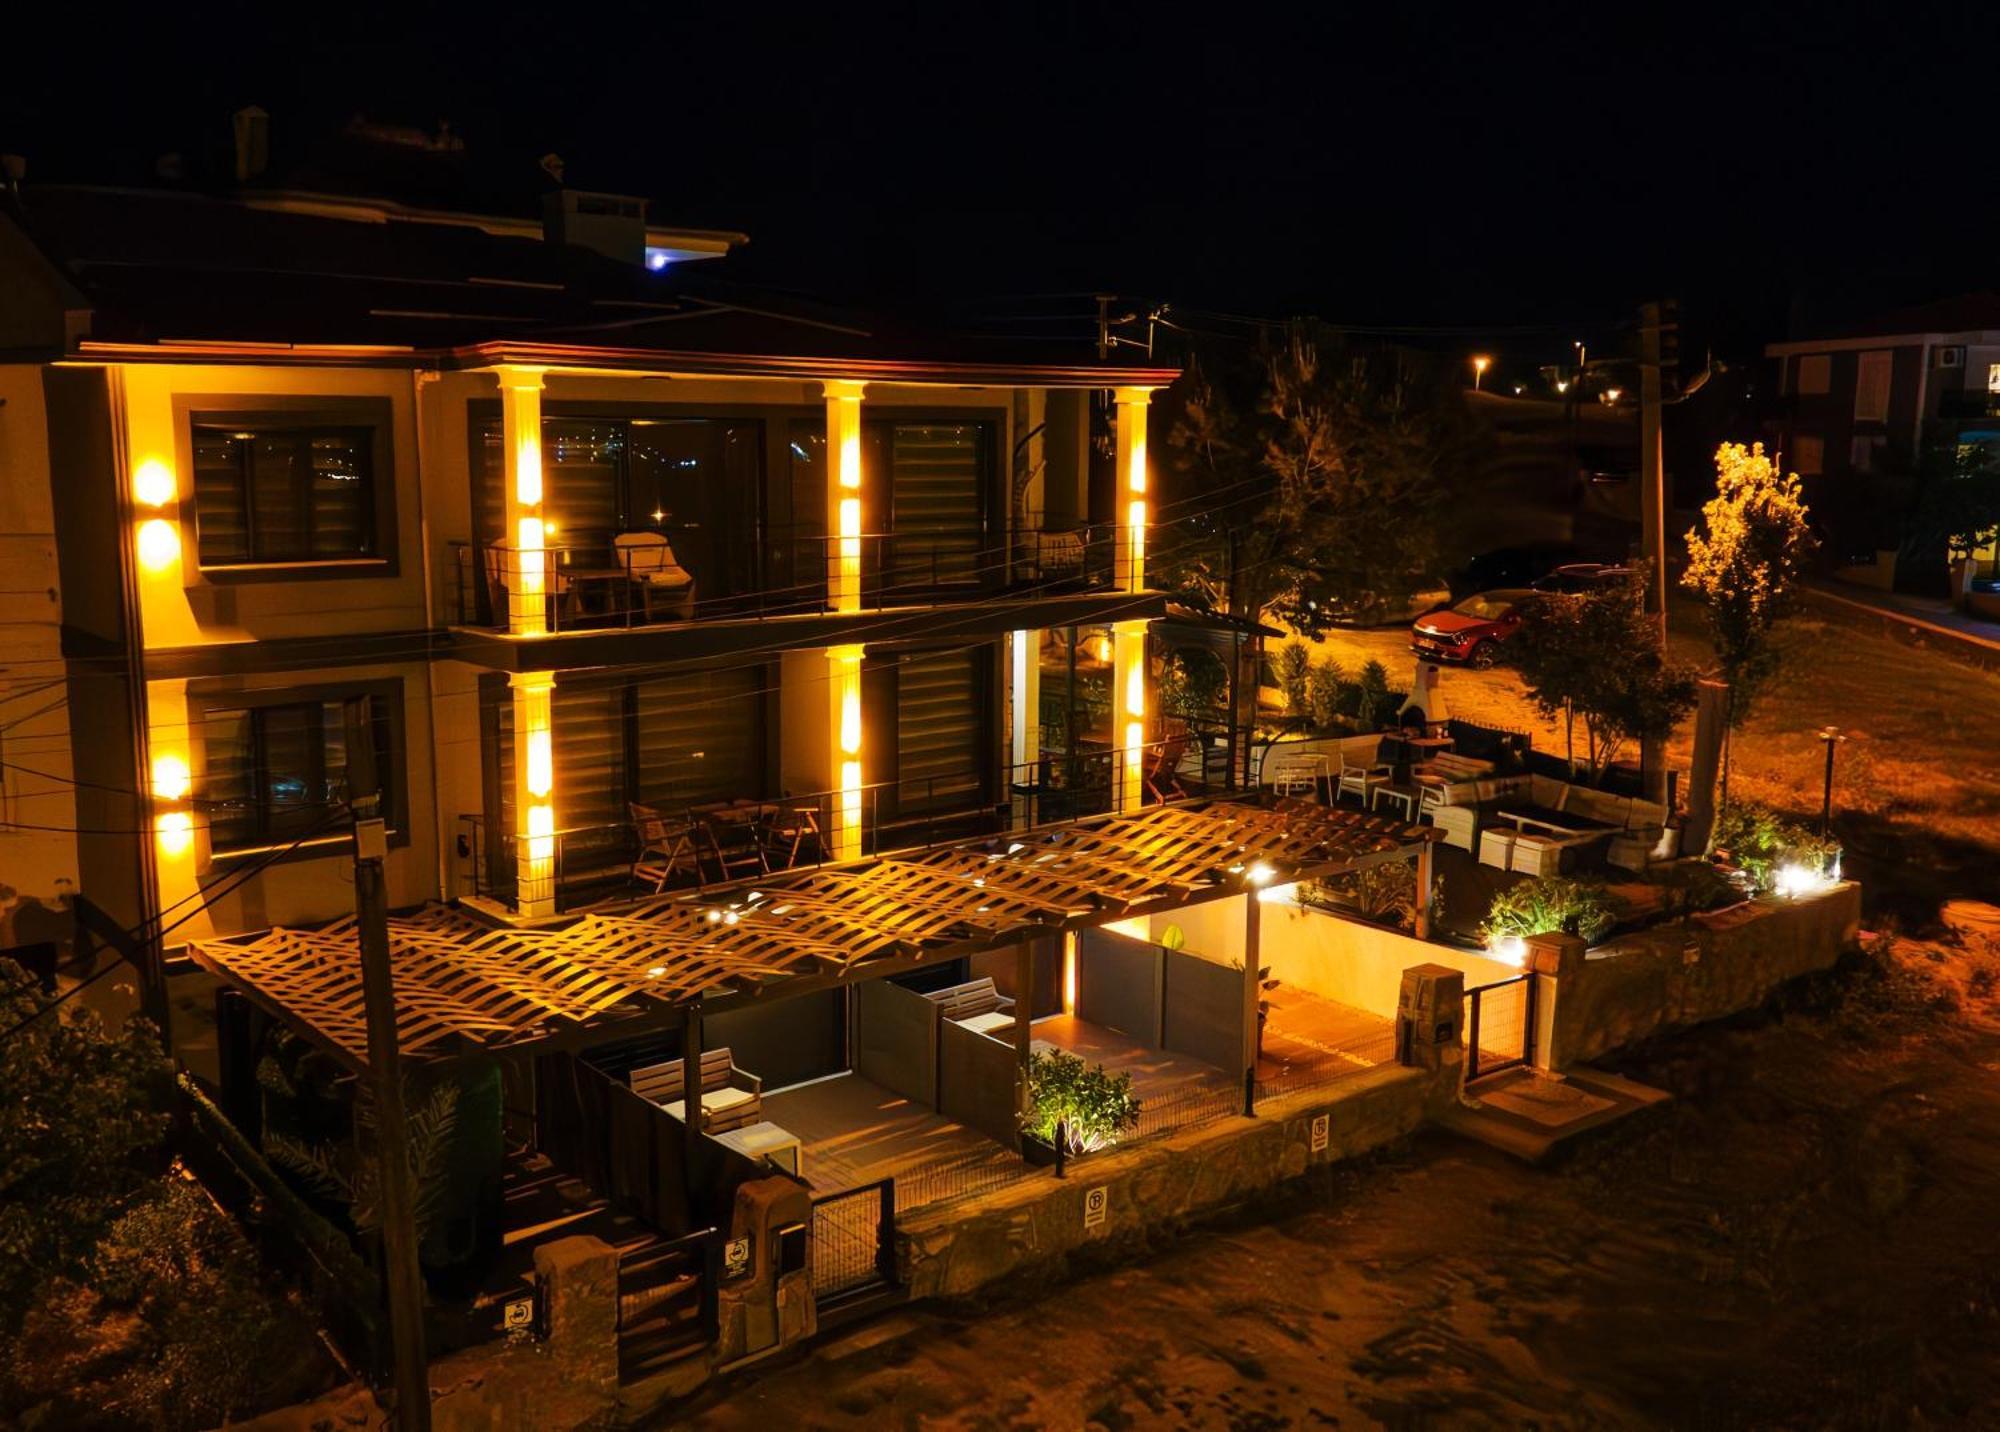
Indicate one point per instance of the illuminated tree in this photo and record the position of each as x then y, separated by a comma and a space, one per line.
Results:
1745, 561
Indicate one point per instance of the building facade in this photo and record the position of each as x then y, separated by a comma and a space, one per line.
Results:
587, 546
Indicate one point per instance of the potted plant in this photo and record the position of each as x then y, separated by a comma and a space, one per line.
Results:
1087, 1107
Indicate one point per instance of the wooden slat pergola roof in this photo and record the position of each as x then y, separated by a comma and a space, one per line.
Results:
462, 982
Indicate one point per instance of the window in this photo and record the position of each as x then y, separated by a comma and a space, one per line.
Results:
1871, 386
941, 748
292, 487
276, 765
1864, 452
937, 509
1812, 373
1808, 454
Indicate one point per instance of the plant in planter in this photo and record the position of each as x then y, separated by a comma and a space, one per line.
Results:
1089, 1105
1385, 894
1756, 841
1551, 903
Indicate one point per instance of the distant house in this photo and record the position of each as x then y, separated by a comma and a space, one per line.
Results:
1857, 405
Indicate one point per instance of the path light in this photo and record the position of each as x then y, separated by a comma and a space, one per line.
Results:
1795, 880
1508, 949
1480, 363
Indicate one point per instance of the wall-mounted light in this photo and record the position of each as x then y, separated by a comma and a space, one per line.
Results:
175, 831
170, 777
159, 544
153, 483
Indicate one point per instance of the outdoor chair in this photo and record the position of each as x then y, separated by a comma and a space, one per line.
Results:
501, 571
1298, 775
735, 845
730, 1098
1162, 769
648, 560
792, 832
666, 847
1362, 769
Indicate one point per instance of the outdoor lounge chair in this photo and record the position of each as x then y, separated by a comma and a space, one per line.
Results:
648, 560
730, 1098
1161, 773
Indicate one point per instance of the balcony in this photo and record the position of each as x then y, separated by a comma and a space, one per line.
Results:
723, 843
628, 581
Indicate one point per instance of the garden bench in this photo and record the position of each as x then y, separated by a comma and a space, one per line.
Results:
976, 1004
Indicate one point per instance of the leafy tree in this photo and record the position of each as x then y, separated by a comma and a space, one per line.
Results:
1308, 485
83, 1120
1745, 561
1595, 655
1090, 1105
1294, 667
1960, 507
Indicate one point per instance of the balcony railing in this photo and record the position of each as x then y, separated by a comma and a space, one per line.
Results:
724, 842
601, 584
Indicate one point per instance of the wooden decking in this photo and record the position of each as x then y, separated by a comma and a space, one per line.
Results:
1310, 1039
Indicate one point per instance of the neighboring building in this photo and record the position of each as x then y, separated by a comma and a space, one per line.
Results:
1856, 408
304, 451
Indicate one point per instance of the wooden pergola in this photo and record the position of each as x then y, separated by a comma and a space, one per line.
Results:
463, 982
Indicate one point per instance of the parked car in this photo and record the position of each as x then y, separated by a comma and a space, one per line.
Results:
1574, 577
1424, 594
1474, 630
1512, 566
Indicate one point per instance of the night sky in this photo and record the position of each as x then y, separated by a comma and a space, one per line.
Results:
1519, 172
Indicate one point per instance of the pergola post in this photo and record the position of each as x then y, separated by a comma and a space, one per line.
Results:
690, 1092
1426, 878
1024, 1014
1253, 940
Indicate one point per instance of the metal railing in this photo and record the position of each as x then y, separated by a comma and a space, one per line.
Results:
722, 843
854, 1241
1499, 1025
596, 585
668, 1306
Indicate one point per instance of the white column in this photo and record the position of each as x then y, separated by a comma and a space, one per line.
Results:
843, 495
1128, 697
534, 792
524, 532
1130, 570
844, 688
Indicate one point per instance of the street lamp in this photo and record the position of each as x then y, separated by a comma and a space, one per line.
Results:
1480, 364
1831, 735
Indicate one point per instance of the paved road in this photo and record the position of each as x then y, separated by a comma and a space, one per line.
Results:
1805, 1239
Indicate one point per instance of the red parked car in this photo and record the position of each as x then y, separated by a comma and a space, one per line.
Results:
1473, 630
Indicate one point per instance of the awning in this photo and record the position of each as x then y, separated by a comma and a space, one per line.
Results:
463, 983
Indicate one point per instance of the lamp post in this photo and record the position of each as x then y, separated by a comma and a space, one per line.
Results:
1480, 364
1832, 737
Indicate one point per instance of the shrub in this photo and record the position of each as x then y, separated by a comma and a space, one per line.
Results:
1091, 1105
1759, 842
1295, 667
1377, 704
1552, 903
1386, 893
1323, 692
1695, 885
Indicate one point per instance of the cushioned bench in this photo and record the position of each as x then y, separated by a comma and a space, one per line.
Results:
968, 1002
730, 1098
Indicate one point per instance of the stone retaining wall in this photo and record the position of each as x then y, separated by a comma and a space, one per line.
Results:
1682, 974
1037, 1226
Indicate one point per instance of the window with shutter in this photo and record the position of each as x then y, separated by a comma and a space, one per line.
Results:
1871, 386
277, 490
941, 756
937, 502
700, 737
274, 769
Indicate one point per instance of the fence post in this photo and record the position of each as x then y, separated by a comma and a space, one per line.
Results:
1472, 1032
885, 1233
711, 1286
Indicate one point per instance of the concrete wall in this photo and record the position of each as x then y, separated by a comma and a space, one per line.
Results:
1153, 1190
1350, 961
1713, 966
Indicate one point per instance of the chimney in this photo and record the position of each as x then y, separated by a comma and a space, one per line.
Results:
610, 224
252, 126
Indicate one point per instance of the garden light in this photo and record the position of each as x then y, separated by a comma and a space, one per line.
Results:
1508, 949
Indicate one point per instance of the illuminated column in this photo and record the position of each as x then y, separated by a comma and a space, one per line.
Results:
843, 495
170, 783
534, 793
1130, 571
521, 443
1027, 663
1128, 685
844, 688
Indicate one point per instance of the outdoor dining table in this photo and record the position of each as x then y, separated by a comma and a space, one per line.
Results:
609, 582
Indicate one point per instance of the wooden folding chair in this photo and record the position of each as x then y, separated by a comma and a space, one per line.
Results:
666, 848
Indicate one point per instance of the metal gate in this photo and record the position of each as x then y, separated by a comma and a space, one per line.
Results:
666, 1302
854, 1243
1499, 1025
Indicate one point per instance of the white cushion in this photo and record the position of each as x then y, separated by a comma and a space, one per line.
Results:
988, 1022
714, 1099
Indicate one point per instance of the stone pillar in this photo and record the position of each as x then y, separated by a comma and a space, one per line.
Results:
1430, 1009
576, 1283
770, 1308
1554, 958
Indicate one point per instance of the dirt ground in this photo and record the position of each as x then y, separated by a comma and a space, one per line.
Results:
1804, 1238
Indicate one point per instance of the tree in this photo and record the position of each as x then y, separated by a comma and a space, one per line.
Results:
1745, 561
83, 1120
1309, 487
1960, 509
1596, 656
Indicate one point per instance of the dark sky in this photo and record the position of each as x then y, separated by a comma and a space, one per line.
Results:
1518, 170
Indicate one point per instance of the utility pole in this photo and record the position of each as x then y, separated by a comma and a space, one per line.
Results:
403, 1280
1653, 515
